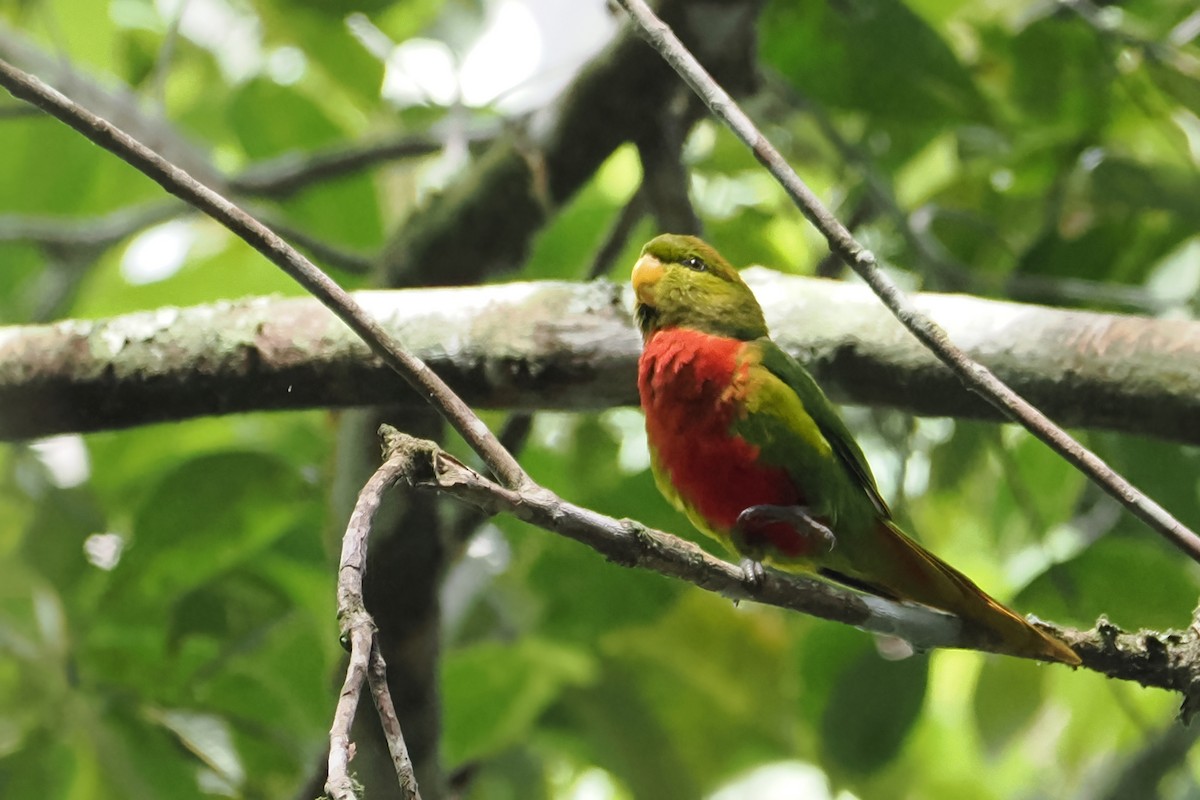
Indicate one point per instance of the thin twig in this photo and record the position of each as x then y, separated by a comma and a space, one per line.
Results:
92, 233
358, 628
288, 174
347, 260
182, 185
974, 375
1151, 659
618, 235
338, 782
377, 678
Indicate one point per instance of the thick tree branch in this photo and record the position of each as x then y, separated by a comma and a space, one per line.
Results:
974, 375
573, 346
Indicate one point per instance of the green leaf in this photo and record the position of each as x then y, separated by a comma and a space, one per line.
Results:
225, 268
1134, 579
322, 35
873, 705
270, 119
878, 57
209, 738
700, 691
494, 693
1040, 489
408, 18
54, 541
1008, 694
1124, 184
210, 515
46, 766
1171, 79
1061, 77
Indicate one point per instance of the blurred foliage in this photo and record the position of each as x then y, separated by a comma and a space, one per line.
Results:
167, 593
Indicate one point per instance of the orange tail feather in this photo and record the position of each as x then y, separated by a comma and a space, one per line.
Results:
926, 579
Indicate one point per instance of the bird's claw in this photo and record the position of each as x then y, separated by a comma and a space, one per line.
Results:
753, 572
798, 518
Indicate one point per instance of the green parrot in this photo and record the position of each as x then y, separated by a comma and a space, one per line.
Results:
744, 442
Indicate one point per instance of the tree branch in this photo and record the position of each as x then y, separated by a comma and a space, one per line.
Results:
357, 627
573, 346
1168, 660
618, 235
90, 233
290, 173
974, 375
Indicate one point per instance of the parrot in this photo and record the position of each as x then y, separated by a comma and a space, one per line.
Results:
744, 442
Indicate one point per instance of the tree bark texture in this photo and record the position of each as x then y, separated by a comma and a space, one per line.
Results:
572, 346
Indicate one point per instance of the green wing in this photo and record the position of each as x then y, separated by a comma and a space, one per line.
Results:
806, 435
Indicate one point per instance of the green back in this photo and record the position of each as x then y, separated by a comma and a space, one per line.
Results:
796, 427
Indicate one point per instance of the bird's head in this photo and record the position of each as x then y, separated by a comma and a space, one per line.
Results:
683, 282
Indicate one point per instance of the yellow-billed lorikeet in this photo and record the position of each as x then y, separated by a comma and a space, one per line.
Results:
745, 443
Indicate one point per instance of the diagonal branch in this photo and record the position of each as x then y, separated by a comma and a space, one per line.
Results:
1169, 660
973, 374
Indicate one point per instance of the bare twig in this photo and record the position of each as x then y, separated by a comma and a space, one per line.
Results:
618, 235
976, 377
377, 678
91, 233
344, 259
338, 781
288, 174
366, 663
179, 183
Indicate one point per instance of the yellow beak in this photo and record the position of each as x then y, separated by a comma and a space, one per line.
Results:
646, 274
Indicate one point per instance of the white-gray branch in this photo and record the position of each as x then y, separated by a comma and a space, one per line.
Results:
573, 346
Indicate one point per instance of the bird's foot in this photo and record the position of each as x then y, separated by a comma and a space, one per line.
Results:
752, 522
754, 573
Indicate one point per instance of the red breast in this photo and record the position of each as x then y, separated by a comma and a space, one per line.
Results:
689, 392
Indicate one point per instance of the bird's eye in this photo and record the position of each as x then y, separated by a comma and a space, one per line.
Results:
694, 263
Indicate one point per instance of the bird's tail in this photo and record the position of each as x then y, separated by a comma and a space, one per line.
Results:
916, 574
